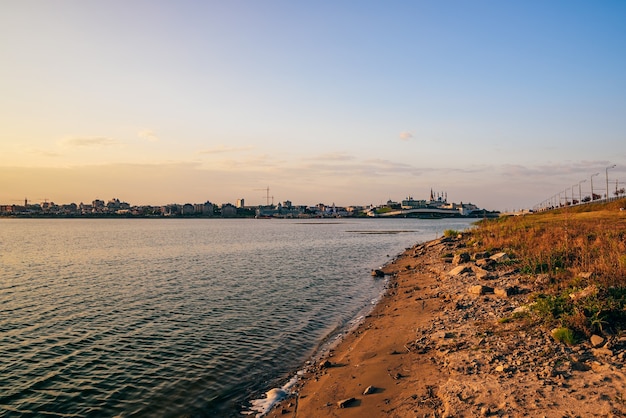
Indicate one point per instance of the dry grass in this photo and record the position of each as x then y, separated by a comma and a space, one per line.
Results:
575, 247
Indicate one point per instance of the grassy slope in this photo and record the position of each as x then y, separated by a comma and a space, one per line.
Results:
571, 249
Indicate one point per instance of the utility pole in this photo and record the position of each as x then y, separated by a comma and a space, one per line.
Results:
607, 181
592, 199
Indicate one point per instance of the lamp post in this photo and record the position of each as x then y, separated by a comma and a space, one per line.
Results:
573, 194
580, 194
607, 181
592, 185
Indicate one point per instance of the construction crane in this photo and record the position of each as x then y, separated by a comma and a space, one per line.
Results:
267, 196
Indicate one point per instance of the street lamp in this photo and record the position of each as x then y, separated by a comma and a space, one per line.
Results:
580, 194
573, 194
607, 181
592, 185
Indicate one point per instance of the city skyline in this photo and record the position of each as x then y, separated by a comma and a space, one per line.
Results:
500, 104
270, 201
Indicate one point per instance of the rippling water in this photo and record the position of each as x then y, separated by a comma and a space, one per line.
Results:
177, 317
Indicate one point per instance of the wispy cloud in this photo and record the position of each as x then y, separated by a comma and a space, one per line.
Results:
347, 166
406, 135
42, 152
96, 141
223, 149
148, 135
331, 156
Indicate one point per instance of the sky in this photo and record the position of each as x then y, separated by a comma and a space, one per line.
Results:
502, 104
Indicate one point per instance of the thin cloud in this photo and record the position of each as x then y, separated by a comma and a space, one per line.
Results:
262, 162
222, 149
331, 156
406, 135
84, 142
43, 153
148, 135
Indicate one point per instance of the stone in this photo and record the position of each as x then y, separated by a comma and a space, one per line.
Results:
500, 257
457, 271
485, 263
480, 289
524, 309
586, 292
369, 390
461, 258
444, 335
344, 403
503, 292
597, 341
599, 352
378, 273
482, 274
325, 364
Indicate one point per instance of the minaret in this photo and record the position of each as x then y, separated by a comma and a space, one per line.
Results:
431, 195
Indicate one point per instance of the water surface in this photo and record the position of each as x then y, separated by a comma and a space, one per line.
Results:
137, 317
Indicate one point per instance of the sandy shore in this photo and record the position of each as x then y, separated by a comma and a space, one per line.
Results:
445, 342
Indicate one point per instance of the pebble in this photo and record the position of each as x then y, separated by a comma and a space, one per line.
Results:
344, 403
369, 390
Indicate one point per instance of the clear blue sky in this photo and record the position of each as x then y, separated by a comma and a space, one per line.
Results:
501, 104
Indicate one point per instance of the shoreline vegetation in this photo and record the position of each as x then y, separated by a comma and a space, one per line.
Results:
518, 316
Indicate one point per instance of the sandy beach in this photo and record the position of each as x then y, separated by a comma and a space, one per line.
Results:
444, 342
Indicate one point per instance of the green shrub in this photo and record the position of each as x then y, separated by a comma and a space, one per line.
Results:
550, 308
564, 335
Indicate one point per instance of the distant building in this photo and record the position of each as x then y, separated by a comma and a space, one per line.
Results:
240, 203
228, 210
85, 208
97, 205
188, 209
204, 209
171, 210
410, 203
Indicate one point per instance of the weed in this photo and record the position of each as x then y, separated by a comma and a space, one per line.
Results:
564, 335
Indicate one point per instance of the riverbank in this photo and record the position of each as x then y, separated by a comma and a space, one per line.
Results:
451, 337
